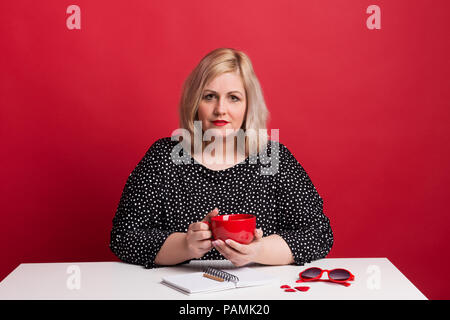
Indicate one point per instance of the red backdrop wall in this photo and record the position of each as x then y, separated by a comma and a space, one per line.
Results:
366, 112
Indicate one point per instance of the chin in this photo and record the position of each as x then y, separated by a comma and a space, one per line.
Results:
221, 132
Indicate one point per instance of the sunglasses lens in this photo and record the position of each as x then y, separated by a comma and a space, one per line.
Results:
339, 274
311, 273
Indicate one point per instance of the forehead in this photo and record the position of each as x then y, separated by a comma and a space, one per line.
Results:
229, 81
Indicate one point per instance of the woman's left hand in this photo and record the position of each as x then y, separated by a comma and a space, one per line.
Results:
240, 254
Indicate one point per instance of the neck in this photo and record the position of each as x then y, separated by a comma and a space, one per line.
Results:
222, 152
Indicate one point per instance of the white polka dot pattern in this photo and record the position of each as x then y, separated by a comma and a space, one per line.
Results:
161, 197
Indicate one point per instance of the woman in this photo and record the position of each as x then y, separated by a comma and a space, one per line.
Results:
158, 219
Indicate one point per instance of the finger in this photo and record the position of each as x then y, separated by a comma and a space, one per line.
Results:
226, 251
206, 245
202, 235
230, 254
258, 234
198, 226
237, 246
198, 235
219, 248
213, 213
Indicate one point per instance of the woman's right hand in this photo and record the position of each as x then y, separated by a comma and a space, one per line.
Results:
198, 236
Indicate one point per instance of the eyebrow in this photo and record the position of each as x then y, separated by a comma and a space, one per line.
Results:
234, 91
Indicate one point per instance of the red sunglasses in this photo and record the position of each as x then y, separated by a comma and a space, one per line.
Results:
340, 276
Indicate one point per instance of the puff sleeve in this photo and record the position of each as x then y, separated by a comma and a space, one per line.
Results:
302, 223
138, 231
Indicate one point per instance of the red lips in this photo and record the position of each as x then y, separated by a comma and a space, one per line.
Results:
220, 122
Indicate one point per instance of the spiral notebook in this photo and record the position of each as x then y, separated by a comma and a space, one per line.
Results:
212, 279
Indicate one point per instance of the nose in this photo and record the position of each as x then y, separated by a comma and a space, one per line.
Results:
220, 107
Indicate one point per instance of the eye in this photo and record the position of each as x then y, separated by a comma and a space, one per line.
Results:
208, 97
235, 99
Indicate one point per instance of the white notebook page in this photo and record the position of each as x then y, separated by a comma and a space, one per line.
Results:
196, 282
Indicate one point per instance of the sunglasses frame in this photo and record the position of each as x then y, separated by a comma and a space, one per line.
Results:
322, 271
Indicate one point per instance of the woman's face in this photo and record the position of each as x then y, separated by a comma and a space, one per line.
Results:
223, 99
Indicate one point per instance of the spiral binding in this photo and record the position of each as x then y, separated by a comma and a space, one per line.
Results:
221, 274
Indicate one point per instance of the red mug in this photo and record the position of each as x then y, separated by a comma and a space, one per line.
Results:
237, 227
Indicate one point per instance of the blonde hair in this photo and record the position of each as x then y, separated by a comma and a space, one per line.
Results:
215, 63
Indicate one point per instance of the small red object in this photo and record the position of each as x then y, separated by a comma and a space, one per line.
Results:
298, 281
289, 290
285, 286
304, 289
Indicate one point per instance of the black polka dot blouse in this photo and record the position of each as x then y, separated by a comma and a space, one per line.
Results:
162, 196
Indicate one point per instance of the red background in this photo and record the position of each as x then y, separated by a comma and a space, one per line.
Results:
366, 112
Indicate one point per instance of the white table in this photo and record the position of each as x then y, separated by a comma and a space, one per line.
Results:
375, 278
